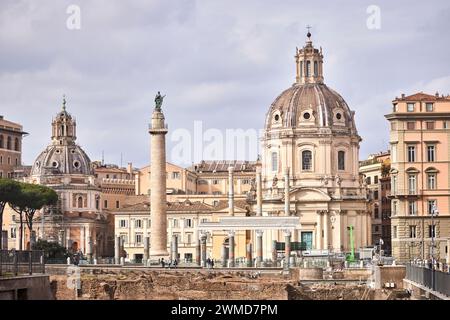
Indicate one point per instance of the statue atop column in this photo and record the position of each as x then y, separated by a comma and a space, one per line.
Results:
158, 101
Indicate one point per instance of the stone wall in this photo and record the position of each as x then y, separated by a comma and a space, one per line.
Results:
35, 287
390, 274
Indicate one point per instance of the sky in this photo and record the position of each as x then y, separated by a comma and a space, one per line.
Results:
219, 63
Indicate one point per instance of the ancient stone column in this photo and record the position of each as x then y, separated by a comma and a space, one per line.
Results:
146, 249
174, 247
117, 250
198, 253
224, 255
325, 230
287, 248
158, 199
203, 248
258, 192
231, 249
230, 191
286, 193
259, 247
274, 253
248, 255
89, 249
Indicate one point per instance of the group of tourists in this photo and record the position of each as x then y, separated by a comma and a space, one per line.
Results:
170, 264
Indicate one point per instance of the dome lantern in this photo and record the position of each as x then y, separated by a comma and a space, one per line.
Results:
309, 63
64, 127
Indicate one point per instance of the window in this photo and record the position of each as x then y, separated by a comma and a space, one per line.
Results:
123, 238
431, 153
97, 204
117, 204
204, 220
274, 161
368, 180
245, 181
341, 160
215, 181
306, 160
375, 195
430, 125
412, 231
410, 107
8, 143
175, 223
411, 154
410, 125
394, 208
394, 107
217, 193
105, 204
308, 68
376, 214
138, 238
444, 125
301, 69
175, 175
122, 223
394, 184
13, 232
432, 231
429, 106
431, 179
138, 223
188, 238
16, 144
375, 179
412, 208
432, 206
376, 228
1, 142
412, 184
188, 223
394, 232
316, 69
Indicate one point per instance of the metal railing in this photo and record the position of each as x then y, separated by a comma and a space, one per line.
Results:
430, 278
15, 262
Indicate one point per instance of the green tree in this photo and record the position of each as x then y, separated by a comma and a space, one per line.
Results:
52, 250
32, 197
8, 191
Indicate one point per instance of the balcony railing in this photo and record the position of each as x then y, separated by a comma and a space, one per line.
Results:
401, 192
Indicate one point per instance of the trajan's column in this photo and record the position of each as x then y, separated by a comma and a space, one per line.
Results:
158, 199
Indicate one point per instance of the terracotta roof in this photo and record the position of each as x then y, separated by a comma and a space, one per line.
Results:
171, 206
222, 166
241, 204
420, 96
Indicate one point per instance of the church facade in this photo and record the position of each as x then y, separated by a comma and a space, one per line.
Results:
310, 155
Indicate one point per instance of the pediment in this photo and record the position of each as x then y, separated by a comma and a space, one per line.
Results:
309, 194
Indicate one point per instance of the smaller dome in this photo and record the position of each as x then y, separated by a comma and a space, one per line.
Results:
62, 160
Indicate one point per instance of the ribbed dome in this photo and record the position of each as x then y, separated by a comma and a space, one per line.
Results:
60, 160
309, 104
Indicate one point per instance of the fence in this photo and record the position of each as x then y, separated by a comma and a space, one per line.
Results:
432, 279
14, 262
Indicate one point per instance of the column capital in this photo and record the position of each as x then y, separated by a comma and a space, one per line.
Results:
287, 233
231, 233
230, 170
259, 233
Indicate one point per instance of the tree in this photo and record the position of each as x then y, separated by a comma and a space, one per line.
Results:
31, 197
52, 250
8, 191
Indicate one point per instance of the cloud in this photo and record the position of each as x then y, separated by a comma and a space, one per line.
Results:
222, 62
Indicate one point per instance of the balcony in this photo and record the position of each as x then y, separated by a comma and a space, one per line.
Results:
398, 193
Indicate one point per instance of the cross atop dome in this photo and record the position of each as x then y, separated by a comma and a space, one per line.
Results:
309, 32
64, 103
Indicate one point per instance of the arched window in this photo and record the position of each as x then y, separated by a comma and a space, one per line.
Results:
274, 161
341, 160
62, 130
316, 69
16, 144
306, 160
308, 68
301, 69
8, 143
80, 202
1, 142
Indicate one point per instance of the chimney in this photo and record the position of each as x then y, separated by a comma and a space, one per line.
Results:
403, 96
437, 94
130, 168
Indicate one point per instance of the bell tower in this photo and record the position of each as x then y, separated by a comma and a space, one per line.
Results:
309, 63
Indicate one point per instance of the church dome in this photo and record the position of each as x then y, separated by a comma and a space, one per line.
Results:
63, 156
309, 104
62, 160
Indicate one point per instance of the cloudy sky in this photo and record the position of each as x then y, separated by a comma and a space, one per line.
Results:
219, 62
